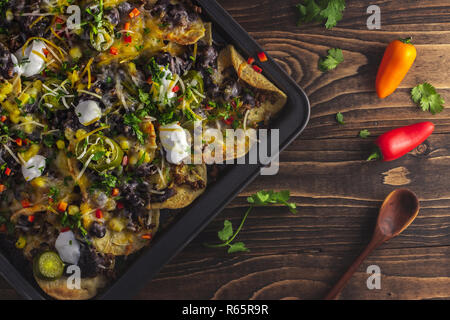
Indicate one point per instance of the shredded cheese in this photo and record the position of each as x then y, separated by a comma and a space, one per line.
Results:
85, 167
92, 132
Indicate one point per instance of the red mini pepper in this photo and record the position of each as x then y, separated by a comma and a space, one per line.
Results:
398, 142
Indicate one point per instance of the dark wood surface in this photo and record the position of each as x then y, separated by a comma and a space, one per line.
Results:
337, 192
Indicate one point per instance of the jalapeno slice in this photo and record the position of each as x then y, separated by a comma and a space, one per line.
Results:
57, 94
102, 152
194, 80
102, 38
48, 266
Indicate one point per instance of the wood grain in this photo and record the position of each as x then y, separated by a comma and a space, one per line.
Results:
337, 192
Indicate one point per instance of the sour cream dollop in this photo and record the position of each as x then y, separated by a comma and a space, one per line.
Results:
88, 112
68, 247
175, 142
33, 168
30, 63
165, 93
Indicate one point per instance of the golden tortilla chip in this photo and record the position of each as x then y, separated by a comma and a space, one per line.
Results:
185, 194
229, 57
58, 289
126, 242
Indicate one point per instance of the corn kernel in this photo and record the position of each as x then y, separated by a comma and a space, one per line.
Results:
76, 53
39, 182
69, 134
85, 208
31, 152
28, 128
80, 133
116, 224
60, 144
133, 160
21, 242
125, 145
87, 221
5, 89
132, 68
24, 97
14, 116
73, 210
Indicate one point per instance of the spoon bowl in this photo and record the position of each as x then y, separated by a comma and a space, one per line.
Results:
397, 212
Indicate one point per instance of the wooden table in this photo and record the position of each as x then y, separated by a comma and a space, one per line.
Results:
337, 192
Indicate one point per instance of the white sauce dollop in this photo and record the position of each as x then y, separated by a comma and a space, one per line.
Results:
30, 63
33, 168
165, 90
68, 247
175, 142
88, 112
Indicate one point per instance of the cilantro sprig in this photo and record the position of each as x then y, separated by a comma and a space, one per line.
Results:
261, 198
340, 118
328, 11
427, 97
332, 60
364, 133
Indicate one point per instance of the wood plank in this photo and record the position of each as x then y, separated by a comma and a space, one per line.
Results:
338, 193
405, 274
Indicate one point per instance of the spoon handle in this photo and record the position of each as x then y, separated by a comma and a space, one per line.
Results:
334, 292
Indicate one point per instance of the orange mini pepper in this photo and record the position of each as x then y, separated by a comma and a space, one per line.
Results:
397, 60
62, 206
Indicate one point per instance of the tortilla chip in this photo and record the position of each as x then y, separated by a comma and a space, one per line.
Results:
245, 72
229, 57
191, 34
125, 242
58, 289
185, 194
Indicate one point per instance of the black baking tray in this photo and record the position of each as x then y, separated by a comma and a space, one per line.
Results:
190, 221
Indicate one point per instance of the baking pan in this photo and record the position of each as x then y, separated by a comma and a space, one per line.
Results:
190, 221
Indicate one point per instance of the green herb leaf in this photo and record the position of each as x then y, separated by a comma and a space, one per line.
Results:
330, 62
227, 231
237, 247
340, 118
426, 96
328, 11
364, 133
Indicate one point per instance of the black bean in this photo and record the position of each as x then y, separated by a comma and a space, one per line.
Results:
97, 230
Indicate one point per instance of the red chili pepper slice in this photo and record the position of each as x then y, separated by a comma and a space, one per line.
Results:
114, 51
3, 119
398, 142
257, 69
251, 60
31, 219
262, 57
127, 39
228, 120
19, 142
134, 13
25, 203
99, 214
175, 89
8, 171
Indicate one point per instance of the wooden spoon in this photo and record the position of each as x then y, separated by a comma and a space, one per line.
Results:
398, 211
